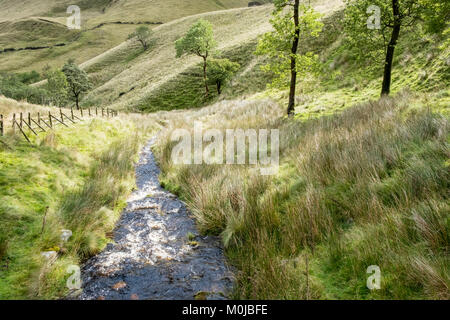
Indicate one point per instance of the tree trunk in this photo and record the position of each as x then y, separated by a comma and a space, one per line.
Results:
205, 77
144, 44
77, 102
219, 87
291, 106
386, 88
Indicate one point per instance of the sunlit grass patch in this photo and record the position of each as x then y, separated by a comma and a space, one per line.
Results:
81, 174
365, 186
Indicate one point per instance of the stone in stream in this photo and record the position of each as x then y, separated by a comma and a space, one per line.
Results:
152, 256
134, 297
119, 285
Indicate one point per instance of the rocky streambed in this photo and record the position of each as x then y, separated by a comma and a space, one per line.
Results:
157, 251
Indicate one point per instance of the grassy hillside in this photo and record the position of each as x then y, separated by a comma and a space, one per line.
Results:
42, 23
128, 79
16, 33
421, 63
125, 77
142, 75
82, 175
365, 187
100, 11
363, 181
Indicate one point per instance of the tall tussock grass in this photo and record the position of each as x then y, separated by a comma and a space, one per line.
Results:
368, 186
92, 210
74, 178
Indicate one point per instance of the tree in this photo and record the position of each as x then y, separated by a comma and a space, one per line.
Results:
377, 41
57, 87
29, 77
437, 15
199, 40
291, 21
142, 34
220, 71
77, 80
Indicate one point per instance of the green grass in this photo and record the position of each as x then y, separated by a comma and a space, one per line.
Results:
82, 174
364, 187
20, 29
420, 65
34, 32
184, 92
342, 82
187, 89
358, 185
362, 181
80, 46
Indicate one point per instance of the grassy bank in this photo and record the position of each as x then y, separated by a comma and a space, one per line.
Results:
44, 24
368, 186
187, 90
82, 174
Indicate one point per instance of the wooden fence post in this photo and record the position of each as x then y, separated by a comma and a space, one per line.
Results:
29, 127
51, 116
89, 111
29, 119
21, 130
96, 111
50, 119
18, 125
44, 122
103, 114
38, 124
1, 125
71, 112
39, 118
21, 120
81, 110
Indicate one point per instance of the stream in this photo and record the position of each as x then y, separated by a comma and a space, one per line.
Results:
157, 253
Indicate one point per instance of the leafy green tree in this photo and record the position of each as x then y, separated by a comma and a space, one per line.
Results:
11, 86
142, 34
57, 86
199, 40
78, 81
380, 41
436, 15
220, 71
291, 21
29, 77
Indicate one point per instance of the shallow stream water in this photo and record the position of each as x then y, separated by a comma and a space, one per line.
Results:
157, 251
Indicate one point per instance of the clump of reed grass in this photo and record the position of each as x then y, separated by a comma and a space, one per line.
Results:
368, 186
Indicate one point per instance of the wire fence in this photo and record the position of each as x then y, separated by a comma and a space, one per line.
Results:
27, 124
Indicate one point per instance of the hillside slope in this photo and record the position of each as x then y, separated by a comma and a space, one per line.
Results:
148, 71
75, 178
102, 11
43, 23
127, 78
368, 186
